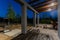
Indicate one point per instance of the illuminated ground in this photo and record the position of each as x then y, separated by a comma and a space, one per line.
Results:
44, 34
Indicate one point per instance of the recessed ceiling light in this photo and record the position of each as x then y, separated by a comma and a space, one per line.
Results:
52, 4
49, 9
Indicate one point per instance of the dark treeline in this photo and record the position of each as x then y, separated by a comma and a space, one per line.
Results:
29, 20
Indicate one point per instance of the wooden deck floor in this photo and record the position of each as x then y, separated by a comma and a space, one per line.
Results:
33, 36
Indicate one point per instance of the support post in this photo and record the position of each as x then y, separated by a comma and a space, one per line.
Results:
34, 20
24, 19
59, 18
38, 20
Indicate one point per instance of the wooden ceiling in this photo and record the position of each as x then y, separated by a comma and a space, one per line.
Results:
44, 6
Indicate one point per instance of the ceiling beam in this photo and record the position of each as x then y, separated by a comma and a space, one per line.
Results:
45, 9
48, 5
23, 2
43, 3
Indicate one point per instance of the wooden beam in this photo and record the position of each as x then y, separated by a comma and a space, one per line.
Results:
44, 9
47, 6
23, 2
42, 4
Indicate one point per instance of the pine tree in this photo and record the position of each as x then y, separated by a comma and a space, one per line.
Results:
11, 14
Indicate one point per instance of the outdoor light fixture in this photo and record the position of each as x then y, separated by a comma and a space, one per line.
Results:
49, 9
48, 6
52, 4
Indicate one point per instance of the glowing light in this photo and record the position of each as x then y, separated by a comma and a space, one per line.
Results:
49, 9
52, 4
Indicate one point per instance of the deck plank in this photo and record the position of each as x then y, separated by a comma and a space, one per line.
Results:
29, 36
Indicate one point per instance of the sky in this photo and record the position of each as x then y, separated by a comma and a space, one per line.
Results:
17, 9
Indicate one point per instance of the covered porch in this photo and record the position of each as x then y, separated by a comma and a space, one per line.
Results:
35, 32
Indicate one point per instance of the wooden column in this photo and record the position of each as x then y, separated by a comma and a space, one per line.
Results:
59, 18
34, 20
37, 19
24, 19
